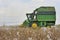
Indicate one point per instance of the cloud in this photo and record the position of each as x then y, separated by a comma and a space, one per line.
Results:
38, 0
15, 10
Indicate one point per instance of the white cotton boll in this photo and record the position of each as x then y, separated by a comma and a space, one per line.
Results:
48, 36
15, 39
44, 29
29, 38
17, 33
9, 32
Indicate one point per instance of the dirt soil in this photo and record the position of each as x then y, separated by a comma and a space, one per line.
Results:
22, 33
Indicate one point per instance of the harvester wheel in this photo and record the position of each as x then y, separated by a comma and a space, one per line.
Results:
34, 25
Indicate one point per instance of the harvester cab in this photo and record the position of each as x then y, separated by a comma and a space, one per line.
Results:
32, 17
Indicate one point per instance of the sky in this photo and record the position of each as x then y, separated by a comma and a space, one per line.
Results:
13, 12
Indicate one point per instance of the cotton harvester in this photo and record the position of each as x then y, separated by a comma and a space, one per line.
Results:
41, 17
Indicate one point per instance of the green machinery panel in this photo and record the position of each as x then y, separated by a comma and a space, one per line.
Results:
41, 9
43, 16
46, 17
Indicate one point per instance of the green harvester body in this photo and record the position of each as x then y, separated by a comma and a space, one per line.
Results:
42, 16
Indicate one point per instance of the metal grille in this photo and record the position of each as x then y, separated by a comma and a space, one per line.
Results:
47, 13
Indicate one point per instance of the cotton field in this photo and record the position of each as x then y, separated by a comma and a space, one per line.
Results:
28, 33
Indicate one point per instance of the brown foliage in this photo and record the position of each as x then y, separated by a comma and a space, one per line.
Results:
17, 33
